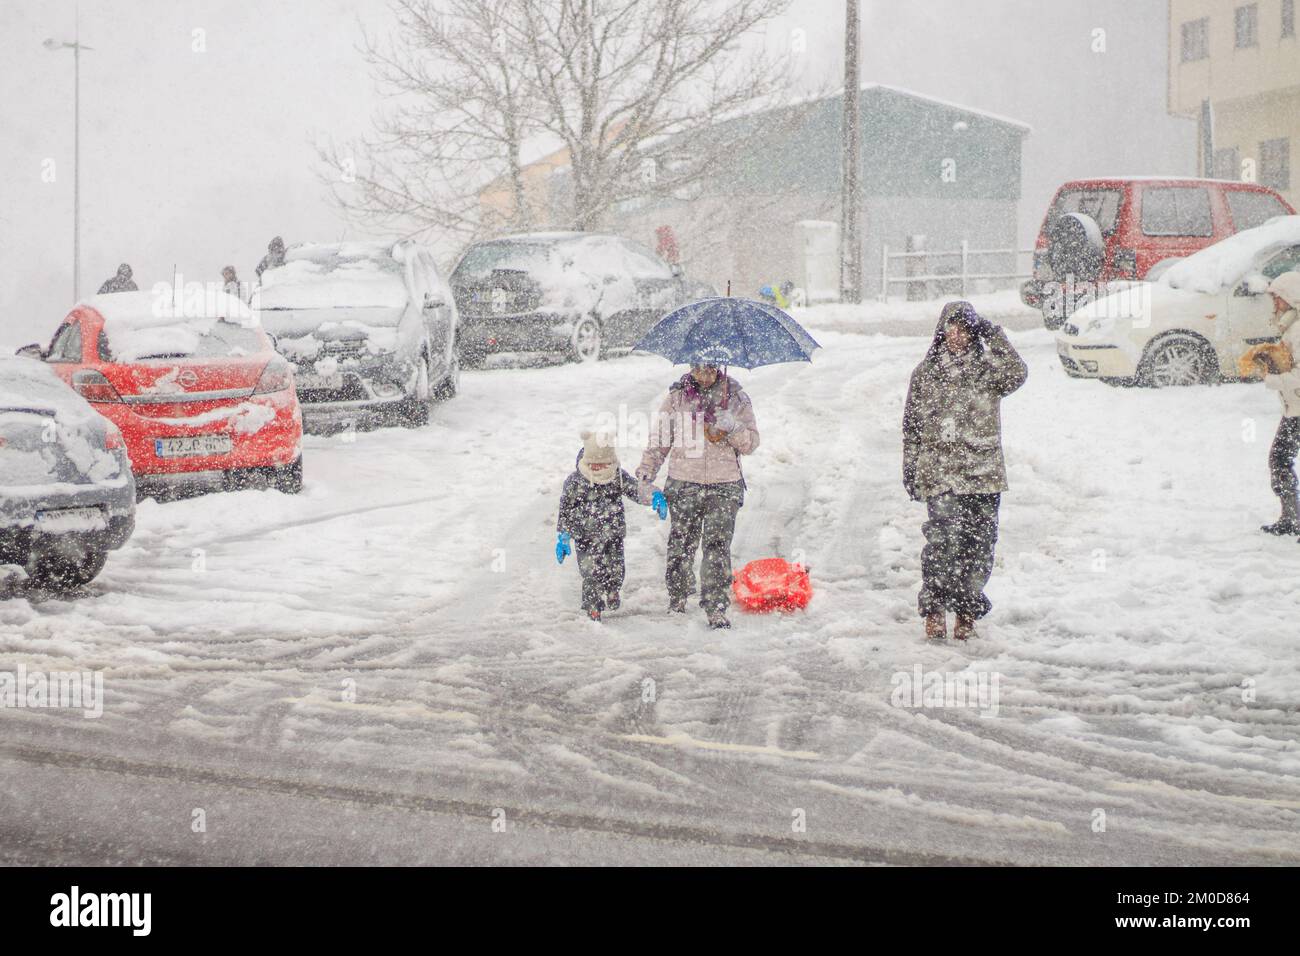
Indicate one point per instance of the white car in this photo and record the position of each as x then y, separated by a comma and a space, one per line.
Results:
1192, 325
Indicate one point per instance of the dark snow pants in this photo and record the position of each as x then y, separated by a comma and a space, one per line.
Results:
1281, 458
958, 555
702, 516
600, 562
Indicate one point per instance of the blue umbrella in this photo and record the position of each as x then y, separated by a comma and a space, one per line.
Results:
729, 331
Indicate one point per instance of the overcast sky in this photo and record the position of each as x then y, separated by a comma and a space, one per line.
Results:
196, 159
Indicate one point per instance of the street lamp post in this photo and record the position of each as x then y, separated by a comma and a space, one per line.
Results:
76, 47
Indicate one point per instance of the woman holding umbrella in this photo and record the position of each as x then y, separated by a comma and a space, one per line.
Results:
952, 460
704, 426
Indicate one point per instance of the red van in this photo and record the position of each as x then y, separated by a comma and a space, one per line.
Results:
1130, 227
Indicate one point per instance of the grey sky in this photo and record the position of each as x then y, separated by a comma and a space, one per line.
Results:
198, 158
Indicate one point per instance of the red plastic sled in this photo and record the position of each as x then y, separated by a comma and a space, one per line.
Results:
772, 584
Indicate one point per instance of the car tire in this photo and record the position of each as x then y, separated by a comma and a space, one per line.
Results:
1178, 359
1076, 247
289, 478
449, 387
417, 407
52, 570
587, 343
1118, 382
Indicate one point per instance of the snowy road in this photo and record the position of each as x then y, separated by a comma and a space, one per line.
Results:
386, 665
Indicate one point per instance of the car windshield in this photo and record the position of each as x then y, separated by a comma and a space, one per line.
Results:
1100, 204
482, 260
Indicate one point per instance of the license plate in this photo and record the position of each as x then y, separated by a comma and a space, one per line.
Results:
195, 446
310, 381
63, 520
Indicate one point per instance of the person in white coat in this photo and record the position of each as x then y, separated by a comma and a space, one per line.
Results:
1285, 290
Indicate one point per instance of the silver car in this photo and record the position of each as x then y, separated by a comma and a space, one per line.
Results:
67, 496
370, 327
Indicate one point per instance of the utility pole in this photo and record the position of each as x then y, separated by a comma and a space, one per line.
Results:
850, 199
76, 47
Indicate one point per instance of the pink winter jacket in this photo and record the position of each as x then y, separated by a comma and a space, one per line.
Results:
678, 435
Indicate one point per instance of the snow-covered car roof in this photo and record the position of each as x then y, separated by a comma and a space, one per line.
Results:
1226, 261
27, 383
329, 275
159, 306
203, 321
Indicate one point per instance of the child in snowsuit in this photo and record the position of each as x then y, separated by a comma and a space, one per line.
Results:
592, 520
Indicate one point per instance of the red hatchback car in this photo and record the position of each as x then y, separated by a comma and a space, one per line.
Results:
196, 388
1099, 231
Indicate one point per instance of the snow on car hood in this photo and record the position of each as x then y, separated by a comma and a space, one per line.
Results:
1227, 261
1133, 304
300, 334
31, 396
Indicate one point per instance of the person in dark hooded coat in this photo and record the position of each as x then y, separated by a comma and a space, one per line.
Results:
274, 257
593, 521
121, 282
952, 460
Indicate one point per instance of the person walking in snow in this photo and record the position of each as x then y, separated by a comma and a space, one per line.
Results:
592, 520
704, 425
952, 460
229, 281
1285, 378
122, 282
274, 257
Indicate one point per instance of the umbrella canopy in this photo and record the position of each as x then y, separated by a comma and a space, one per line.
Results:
729, 331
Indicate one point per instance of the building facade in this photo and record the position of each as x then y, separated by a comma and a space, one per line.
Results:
1243, 61
934, 174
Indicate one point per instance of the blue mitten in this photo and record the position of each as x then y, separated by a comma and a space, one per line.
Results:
563, 547
660, 504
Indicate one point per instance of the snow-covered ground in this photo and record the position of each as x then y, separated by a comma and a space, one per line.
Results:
382, 667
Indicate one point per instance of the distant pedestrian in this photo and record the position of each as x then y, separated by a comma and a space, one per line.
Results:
952, 460
119, 283
592, 520
704, 426
1281, 374
274, 257
229, 281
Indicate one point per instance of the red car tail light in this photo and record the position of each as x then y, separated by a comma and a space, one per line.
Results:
93, 387
276, 377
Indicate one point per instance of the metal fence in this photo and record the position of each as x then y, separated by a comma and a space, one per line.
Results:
950, 269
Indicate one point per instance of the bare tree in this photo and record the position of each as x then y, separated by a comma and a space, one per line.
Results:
629, 90
464, 104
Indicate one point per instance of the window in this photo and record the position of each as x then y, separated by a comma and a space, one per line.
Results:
1101, 204
1227, 165
1288, 18
1196, 39
66, 346
1275, 164
1250, 209
1288, 260
642, 263
1247, 23
1176, 211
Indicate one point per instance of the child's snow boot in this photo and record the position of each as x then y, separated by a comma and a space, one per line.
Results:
718, 619
594, 614
964, 628
677, 605
936, 628
612, 601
